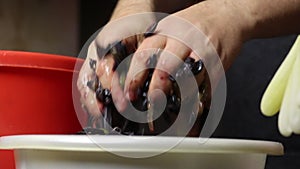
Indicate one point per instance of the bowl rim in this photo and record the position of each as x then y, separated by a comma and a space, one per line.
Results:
142, 144
36, 60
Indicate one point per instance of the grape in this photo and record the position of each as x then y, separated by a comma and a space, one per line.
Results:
185, 69
93, 83
146, 86
152, 61
197, 67
189, 60
93, 64
150, 31
104, 96
173, 104
171, 78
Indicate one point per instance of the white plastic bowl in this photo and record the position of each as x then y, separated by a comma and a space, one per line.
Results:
81, 152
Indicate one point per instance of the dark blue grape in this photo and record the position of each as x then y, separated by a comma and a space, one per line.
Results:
104, 96
98, 93
183, 71
145, 102
142, 102
188, 68
150, 31
189, 60
197, 67
172, 79
93, 84
145, 93
173, 104
146, 85
152, 61
93, 64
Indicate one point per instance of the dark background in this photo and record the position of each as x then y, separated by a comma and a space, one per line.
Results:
246, 81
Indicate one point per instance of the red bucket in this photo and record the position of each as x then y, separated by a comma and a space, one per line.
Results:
36, 96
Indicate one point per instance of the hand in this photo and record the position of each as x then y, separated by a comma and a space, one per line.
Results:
180, 35
98, 69
199, 32
185, 42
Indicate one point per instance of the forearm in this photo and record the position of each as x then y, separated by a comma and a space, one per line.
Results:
129, 7
171, 6
270, 18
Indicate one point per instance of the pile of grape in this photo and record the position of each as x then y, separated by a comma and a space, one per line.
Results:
121, 125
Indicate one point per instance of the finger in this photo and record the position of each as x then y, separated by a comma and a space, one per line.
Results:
108, 64
122, 28
91, 106
107, 70
137, 72
86, 71
118, 95
85, 76
110, 89
170, 59
104, 71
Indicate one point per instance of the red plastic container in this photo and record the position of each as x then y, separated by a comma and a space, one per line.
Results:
36, 96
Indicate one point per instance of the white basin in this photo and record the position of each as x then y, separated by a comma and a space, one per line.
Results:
81, 152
